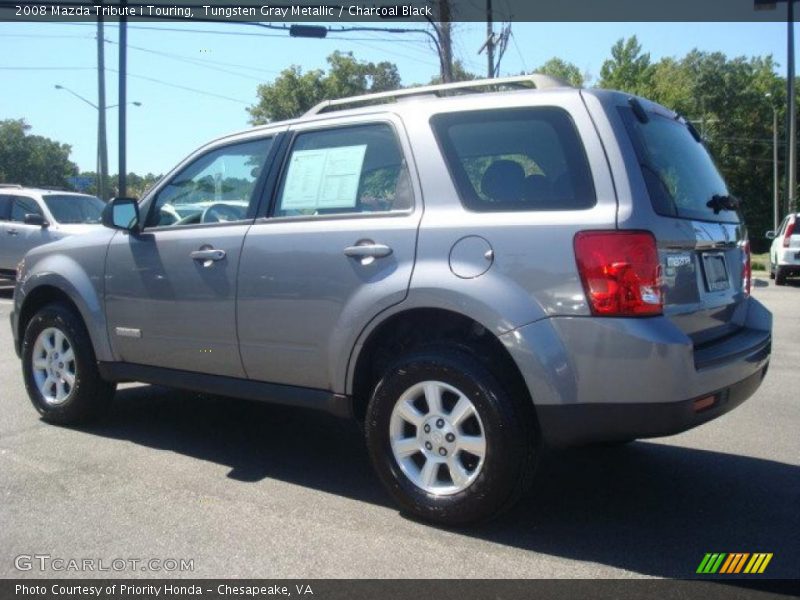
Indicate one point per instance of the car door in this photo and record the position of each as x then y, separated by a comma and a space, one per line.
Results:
5, 213
171, 288
21, 237
336, 248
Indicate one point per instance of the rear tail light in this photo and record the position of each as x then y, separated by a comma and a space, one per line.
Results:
620, 272
789, 232
747, 270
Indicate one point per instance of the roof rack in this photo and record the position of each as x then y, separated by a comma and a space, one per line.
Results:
11, 185
538, 81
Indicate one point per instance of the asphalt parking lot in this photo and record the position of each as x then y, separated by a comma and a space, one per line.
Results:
250, 490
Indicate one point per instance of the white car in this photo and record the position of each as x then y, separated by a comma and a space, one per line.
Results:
30, 217
784, 254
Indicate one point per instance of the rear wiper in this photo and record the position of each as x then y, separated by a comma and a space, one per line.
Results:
719, 203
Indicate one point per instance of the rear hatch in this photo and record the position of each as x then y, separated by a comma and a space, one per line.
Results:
702, 240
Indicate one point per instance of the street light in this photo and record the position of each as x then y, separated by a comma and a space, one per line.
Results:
775, 191
791, 117
102, 161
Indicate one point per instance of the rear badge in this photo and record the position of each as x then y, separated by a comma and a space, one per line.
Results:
130, 332
675, 261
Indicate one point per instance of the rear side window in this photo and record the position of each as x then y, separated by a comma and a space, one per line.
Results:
525, 159
357, 169
680, 175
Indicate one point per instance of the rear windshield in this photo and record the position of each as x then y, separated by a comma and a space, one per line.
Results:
74, 209
680, 175
524, 159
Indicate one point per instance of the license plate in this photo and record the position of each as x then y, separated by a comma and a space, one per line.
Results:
716, 272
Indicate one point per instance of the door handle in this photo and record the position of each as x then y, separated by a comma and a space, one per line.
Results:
208, 254
368, 250
12, 232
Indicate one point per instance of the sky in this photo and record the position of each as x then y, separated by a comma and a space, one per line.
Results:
195, 80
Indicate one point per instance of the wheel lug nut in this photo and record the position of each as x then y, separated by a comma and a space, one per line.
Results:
428, 446
440, 423
427, 428
443, 451
450, 437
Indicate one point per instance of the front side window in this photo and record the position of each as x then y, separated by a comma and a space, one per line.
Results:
519, 159
5, 207
74, 209
215, 188
346, 170
24, 206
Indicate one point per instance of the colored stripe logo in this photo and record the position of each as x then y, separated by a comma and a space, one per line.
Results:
734, 563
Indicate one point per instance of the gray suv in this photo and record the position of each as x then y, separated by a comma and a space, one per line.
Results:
473, 276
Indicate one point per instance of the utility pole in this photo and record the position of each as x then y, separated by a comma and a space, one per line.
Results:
123, 100
791, 158
102, 148
489, 39
443, 38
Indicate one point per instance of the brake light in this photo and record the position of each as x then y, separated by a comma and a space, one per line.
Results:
747, 270
620, 272
789, 232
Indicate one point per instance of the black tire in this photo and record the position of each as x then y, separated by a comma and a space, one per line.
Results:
509, 428
90, 395
771, 271
780, 276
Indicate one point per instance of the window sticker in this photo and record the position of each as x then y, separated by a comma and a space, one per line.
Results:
324, 178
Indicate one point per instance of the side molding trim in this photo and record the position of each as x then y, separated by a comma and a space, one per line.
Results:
288, 395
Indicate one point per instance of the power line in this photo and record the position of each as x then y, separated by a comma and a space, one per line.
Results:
182, 87
192, 61
4, 68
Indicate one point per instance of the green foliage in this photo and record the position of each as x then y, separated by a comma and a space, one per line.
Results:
729, 100
564, 70
137, 185
293, 92
32, 160
460, 73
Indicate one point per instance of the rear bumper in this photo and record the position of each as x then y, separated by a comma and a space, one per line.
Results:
576, 424
602, 379
788, 257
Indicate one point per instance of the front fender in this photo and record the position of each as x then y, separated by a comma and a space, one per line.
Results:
81, 283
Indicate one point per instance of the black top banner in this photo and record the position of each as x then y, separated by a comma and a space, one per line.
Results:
419, 11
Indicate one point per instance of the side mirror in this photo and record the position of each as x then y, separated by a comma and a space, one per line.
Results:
770, 235
122, 213
36, 219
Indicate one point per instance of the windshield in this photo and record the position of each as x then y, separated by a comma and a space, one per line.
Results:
74, 209
680, 175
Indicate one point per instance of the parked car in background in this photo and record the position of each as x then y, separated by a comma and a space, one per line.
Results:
784, 253
472, 277
30, 217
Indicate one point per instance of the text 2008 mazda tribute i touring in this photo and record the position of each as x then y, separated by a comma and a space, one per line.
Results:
472, 276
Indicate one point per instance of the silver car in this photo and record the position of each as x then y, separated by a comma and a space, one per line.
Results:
30, 217
472, 276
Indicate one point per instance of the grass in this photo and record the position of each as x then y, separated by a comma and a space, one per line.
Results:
759, 262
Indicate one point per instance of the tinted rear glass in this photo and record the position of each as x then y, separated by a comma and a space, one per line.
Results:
680, 175
524, 159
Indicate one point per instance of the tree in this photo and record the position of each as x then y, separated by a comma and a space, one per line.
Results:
459, 73
32, 160
294, 92
729, 100
627, 69
557, 67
